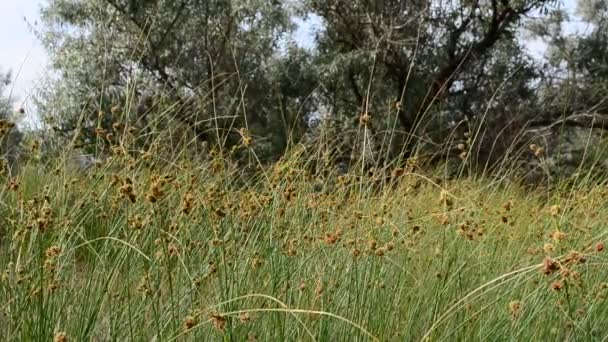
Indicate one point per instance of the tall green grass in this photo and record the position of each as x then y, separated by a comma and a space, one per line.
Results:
141, 248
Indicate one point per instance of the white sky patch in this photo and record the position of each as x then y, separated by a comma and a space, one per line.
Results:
537, 47
20, 50
307, 29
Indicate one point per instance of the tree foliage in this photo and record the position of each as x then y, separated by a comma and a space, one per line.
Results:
402, 75
576, 74
210, 64
10, 137
424, 61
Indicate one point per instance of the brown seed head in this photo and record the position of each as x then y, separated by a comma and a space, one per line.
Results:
575, 258
365, 119
539, 152
244, 317
558, 236
557, 285
554, 210
380, 251
218, 321
60, 337
189, 322
53, 251
550, 266
515, 308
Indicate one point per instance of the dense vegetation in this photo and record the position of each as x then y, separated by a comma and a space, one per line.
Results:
415, 175
141, 250
389, 79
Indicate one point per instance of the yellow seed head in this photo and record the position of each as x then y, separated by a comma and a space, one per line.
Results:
515, 308
189, 322
555, 210
60, 337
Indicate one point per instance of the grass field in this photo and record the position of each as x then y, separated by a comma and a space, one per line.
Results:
136, 249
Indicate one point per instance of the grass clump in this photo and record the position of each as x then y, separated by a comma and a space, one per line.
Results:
140, 248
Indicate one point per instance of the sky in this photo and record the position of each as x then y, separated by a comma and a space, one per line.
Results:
21, 53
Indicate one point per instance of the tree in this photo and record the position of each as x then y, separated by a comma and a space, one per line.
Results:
572, 90
212, 65
576, 73
413, 63
10, 137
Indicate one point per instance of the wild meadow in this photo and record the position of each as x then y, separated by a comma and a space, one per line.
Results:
306, 170
138, 248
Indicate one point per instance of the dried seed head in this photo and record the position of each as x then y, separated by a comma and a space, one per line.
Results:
244, 317
558, 236
555, 210
127, 191
189, 322
445, 198
319, 288
143, 286
60, 337
365, 119
372, 244
256, 262
380, 251
398, 172
172, 250
539, 152
557, 285
53, 251
330, 238
515, 308
136, 222
218, 321
599, 247
550, 266
188, 203
245, 137
575, 258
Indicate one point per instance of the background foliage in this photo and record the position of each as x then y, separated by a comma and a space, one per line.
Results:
200, 175
387, 80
